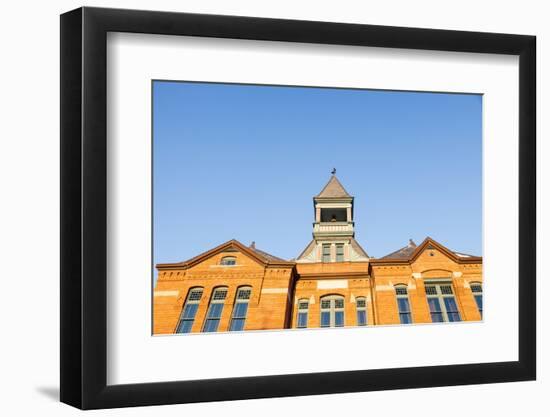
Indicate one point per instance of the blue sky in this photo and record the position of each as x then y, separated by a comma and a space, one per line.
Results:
243, 162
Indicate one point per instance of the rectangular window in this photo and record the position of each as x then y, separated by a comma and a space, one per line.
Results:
332, 311
477, 291
239, 317
213, 318
187, 318
361, 317
215, 310
479, 302
404, 311
361, 305
240, 309
442, 303
189, 311
301, 319
338, 319
325, 319
339, 252
326, 253
403, 305
451, 308
435, 310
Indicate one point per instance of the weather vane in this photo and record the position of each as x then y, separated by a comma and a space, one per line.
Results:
333, 172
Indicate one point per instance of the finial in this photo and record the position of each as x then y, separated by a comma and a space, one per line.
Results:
412, 244
333, 172
253, 245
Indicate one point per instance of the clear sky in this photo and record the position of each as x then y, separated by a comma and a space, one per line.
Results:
243, 162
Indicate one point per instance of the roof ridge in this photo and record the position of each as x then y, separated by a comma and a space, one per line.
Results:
402, 253
266, 255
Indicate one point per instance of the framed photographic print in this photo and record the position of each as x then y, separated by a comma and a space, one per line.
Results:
258, 207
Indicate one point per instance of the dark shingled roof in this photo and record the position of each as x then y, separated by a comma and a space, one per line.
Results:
333, 189
403, 253
267, 256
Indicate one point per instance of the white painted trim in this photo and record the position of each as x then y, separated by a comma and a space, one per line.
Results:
332, 284
166, 293
274, 290
225, 266
384, 288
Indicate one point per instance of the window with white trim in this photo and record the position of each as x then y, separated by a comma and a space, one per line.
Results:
477, 291
361, 307
238, 317
215, 309
326, 252
302, 314
403, 304
189, 311
442, 302
228, 261
332, 311
339, 252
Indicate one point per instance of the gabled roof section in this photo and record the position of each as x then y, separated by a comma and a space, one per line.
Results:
333, 189
258, 255
410, 252
403, 253
307, 250
267, 256
312, 244
358, 248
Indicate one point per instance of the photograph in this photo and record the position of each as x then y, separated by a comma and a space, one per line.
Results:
296, 207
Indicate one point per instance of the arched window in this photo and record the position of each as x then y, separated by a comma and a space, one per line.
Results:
189, 310
228, 261
215, 310
332, 311
477, 291
442, 303
301, 316
403, 305
361, 306
238, 317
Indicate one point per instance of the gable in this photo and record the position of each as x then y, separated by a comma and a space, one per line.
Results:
244, 257
214, 261
433, 258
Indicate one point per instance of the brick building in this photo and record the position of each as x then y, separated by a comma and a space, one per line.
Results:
332, 283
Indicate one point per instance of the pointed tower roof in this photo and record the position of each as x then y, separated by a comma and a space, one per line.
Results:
333, 189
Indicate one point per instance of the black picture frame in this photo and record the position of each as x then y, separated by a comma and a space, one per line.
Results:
84, 207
